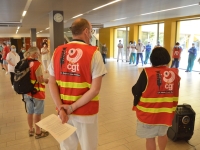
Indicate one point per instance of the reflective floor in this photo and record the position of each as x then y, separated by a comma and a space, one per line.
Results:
117, 121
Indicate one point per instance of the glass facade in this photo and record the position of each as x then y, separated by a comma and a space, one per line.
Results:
152, 33
121, 34
189, 32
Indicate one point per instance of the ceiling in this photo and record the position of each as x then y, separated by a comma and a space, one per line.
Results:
37, 15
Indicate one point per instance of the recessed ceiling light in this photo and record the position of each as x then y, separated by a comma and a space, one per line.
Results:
24, 13
47, 28
119, 19
106, 4
18, 28
168, 9
77, 16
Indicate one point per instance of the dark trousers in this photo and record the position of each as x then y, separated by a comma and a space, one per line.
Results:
175, 62
12, 74
104, 58
141, 56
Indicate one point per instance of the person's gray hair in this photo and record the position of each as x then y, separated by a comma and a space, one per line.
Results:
31, 51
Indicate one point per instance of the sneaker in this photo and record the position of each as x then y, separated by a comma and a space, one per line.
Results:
6, 72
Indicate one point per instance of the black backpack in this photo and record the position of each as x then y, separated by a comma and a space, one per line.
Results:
22, 82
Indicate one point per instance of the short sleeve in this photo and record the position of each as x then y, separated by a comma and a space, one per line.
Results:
51, 68
97, 68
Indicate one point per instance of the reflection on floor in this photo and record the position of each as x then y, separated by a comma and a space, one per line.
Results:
117, 122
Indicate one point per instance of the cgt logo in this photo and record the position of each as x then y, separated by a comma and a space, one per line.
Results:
73, 56
169, 78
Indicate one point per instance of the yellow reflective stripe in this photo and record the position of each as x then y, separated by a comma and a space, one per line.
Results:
75, 98
156, 110
73, 84
40, 89
33, 82
159, 100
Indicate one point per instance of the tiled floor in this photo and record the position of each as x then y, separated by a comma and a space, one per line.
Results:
117, 122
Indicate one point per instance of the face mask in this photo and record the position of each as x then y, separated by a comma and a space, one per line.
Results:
13, 50
23, 51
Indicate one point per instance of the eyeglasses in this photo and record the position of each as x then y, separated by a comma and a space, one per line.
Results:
92, 31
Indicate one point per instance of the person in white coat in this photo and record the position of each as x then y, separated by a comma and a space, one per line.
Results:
45, 56
120, 50
12, 58
140, 49
133, 52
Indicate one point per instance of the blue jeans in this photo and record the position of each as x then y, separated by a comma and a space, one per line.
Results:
191, 59
147, 55
175, 62
132, 58
141, 56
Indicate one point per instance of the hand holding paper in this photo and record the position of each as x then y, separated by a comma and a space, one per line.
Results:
54, 125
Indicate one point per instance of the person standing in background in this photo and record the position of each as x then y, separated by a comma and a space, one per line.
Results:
192, 56
45, 56
6, 50
176, 55
133, 55
120, 50
158, 44
140, 49
104, 50
147, 53
1, 60
21, 53
12, 58
128, 52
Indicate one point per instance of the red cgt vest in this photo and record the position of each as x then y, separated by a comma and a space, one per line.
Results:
160, 98
72, 67
176, 52
40, 87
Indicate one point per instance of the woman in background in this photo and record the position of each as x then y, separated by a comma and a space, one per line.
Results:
45, 56
12, 58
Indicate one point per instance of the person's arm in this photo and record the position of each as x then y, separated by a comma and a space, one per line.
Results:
39, 76
8, 59
3, 53
9, 62
53, 87
139, 87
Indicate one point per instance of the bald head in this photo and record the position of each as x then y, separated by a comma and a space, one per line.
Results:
79, 25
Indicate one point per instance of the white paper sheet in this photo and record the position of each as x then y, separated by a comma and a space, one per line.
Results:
54, 126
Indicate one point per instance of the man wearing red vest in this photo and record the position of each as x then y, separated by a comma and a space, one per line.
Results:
176, 55
76, 71
155, 99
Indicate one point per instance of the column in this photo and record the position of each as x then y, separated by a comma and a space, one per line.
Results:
106, 35
169, 35
56, 30
133, 33
33, 37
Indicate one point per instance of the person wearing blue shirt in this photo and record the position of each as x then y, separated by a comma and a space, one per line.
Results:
147, 53
192, 56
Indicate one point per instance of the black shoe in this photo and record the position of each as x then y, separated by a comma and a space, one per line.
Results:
186, 71
3, 69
